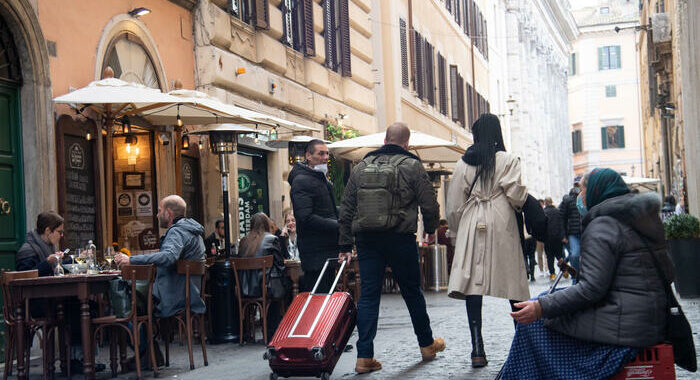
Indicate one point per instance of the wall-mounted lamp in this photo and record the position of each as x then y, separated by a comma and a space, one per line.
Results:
129, 141
88, 136
179, 119
185, 142
138, 12
126, 125
240, 71
199, 144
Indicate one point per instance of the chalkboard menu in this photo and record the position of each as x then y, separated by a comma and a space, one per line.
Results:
80, 200
191, 187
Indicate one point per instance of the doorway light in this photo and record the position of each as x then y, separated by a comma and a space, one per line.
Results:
138, 12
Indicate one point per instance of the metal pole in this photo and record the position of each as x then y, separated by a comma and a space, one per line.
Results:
223, 160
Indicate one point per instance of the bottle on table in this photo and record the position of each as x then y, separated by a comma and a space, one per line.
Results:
91, 251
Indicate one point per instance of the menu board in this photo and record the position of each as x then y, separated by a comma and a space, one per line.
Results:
191, 187
80, 200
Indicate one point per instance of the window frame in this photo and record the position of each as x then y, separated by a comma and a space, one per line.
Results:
619, 135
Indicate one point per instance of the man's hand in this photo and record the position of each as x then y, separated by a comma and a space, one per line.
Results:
344, 256
121, 259
529, 312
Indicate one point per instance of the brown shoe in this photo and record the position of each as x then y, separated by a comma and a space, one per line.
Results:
367, 365
431, 351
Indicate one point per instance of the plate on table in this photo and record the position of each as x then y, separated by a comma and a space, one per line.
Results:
110, 272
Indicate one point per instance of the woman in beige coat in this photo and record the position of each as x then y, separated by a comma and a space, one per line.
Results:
488, 256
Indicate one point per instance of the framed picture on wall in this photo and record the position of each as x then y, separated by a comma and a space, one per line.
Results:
134, 180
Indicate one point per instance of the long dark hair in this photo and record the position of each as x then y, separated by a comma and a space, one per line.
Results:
260, 224
488, 140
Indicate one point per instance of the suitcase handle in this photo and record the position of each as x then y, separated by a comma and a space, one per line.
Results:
323, 271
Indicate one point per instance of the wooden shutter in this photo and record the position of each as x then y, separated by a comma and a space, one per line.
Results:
404, 52
442, 84
419, 85
617, 57
470, 105
262, 14
465, 20
601, 59
309, 40
344, 42
329, 35
604, 137
454, 108
620, 136
429, 73
460, 100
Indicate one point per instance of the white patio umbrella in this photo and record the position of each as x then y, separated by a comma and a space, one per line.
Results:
427, 148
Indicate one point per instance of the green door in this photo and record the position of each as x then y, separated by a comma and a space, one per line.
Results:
12, 220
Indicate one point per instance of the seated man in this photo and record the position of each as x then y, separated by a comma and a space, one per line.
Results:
183, 240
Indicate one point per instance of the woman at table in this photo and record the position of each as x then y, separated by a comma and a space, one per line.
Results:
591, 329
289, 235
39, 249
259, 242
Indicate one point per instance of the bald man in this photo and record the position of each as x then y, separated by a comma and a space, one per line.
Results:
182, 240
383, 228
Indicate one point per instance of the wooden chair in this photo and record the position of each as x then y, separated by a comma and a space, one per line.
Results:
45, 326
188, 268
118, 325
261, 303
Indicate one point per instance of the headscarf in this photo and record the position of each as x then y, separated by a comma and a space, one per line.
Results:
604, 184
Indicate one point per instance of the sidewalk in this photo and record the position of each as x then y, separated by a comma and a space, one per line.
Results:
395, 345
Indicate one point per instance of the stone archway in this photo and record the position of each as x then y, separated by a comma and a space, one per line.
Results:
38, 139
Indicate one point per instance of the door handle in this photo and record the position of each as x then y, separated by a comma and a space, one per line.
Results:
5, 207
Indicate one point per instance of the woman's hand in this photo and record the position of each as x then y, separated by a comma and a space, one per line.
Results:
55, 258
529, 312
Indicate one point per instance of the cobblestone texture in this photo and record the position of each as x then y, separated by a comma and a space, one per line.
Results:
395, 345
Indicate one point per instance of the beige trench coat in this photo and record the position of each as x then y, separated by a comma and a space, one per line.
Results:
488, 256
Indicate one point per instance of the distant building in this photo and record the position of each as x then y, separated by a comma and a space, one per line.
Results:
604, 109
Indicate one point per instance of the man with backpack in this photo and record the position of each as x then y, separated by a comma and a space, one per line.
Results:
379, 214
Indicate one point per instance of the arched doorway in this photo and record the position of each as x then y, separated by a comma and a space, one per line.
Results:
12, 216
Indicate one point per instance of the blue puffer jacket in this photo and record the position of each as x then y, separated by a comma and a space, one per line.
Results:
183, 240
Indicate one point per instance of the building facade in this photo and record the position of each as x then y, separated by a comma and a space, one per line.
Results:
539, 35
604, 106
308, 61
668, 41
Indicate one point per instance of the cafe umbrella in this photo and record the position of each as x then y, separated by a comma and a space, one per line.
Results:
427, 148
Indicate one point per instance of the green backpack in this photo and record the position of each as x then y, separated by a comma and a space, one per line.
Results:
378, 194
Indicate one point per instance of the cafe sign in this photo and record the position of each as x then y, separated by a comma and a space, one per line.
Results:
76, 156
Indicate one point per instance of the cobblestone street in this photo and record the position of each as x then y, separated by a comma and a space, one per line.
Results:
395, 345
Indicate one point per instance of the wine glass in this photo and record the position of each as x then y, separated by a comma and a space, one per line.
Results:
109, 257
79, 256
74, 254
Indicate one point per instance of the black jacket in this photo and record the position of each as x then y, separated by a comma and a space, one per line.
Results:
316, 215
619, 298
33, 255
533, 219
251, 280
571, 218
555, 231
415, 191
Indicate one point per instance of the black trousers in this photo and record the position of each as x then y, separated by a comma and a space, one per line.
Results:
553, 249
309, 280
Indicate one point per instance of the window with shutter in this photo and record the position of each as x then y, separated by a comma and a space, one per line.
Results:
420, 81
344, 37
609, 58
458, 12
460, 100
242, 9
308, 28
465, 19
262, 14
337, 35
572, 64
454, 104
442, 83
448, 5
576, 143
404, 53
286, 7
429, 73
329, 35
470, 105
613, 137
293, 20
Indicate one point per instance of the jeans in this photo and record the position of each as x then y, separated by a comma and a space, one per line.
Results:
574, 248
375, 251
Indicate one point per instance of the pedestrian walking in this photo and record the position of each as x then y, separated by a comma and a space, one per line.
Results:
619, 304
484, 193
553, 246
316, 215
571, 219
379, 214
532, 225
539, 248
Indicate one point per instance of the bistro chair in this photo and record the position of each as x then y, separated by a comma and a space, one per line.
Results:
250, 304
118, 325
43, 327
185, 318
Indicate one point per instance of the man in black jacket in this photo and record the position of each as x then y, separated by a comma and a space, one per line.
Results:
571, 219
395, 245
553, 246
315, 213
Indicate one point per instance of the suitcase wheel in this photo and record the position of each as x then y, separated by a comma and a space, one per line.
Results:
274, 376
325, 376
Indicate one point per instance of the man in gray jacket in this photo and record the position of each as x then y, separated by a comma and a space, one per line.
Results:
183, 240
365, 208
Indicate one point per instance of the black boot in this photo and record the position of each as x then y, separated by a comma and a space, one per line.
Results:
478, 354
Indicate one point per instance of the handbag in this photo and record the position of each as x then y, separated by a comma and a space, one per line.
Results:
678, 331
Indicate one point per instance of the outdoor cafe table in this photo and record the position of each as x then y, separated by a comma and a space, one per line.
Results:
80, 286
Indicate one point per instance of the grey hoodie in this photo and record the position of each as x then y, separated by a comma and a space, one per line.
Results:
183, 240
619, 298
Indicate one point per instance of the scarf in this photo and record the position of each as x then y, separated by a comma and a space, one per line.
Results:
604, 184
40, 248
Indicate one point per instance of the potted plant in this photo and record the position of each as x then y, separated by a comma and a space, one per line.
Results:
683, 237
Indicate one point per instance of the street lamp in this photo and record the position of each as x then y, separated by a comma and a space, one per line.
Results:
223, 140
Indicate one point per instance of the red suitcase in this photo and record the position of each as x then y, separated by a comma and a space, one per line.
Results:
313, 333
